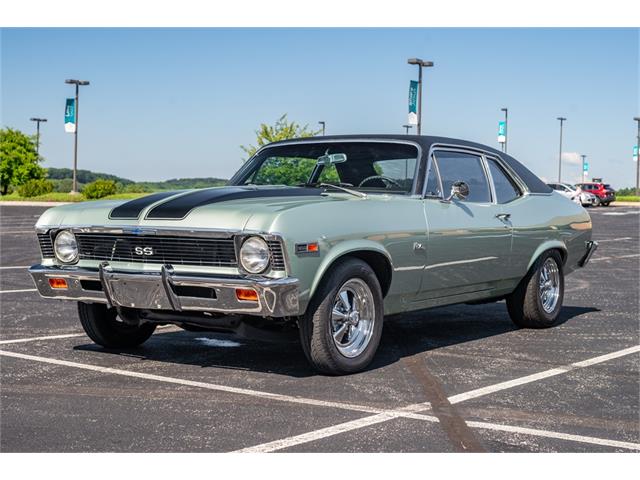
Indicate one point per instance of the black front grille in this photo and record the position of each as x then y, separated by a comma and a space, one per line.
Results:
212, 252
46, 245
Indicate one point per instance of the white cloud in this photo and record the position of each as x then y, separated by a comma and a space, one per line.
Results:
572, 158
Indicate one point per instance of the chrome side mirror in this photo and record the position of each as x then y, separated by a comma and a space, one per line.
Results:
459, 190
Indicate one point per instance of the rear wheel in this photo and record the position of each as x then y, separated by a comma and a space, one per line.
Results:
341, 329
102, 326
596, 202
537, 301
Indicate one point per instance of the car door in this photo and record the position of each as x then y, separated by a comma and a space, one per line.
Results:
469, 240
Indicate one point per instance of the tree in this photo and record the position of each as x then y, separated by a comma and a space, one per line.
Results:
19, 161
282, 130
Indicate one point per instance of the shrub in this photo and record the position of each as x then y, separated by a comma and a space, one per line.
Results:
65, 185
136, 188
33, 188
99, 189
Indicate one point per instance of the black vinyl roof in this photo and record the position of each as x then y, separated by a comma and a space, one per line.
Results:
532, 181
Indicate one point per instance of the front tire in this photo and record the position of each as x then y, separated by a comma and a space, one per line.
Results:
537, 301
100, 324
341, 330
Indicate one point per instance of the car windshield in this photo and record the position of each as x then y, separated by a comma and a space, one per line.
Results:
376, 167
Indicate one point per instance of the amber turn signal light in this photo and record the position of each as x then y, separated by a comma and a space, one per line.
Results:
246, 295
59, 283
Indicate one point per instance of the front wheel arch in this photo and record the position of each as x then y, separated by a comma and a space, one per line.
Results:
373, 254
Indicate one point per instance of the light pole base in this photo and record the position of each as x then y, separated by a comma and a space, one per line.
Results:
73, 192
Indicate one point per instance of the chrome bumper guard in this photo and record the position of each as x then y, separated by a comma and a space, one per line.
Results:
591, 248
158, 291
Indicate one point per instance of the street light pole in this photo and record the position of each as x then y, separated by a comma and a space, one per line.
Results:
637, 119
77, 83
420, 63
38, 120
506, 128
583, 170
323, 126
406, 128
562, 120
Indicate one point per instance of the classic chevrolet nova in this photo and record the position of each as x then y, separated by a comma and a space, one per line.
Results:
327, 236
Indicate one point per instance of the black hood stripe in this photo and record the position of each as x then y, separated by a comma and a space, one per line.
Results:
131, 210
180, 207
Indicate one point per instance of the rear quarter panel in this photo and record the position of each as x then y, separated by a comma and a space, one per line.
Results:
543, 222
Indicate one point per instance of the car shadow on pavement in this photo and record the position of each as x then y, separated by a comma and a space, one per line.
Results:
403, 335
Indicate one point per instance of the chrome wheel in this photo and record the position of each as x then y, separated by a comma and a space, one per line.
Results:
549, 285
352, 318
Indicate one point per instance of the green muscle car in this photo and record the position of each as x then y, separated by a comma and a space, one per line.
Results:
325, 235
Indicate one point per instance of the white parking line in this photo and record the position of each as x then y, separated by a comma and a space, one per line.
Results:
379, 415
341, 428
559, 435
363, 422
20, 291
597, 259
35, 339
209, 386
614, 239
480, 392
14, 268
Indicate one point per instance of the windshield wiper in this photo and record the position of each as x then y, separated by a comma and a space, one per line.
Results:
344, 189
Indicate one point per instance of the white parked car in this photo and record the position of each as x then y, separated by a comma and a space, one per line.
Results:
574, 193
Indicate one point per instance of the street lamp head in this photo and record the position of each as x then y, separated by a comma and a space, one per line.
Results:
504, 109
76, 82
562, 119
36, 119
419, 61
637, 119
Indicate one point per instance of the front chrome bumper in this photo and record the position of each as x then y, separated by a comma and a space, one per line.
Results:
167, 290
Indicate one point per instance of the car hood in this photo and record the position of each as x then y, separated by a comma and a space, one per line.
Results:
225, 208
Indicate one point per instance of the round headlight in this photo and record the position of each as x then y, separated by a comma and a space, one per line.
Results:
66, 247
254, 255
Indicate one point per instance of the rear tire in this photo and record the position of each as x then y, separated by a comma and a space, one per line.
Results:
596, 203
100, 324
537, 301
341, 329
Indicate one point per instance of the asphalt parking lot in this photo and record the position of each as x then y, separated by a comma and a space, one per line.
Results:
459, 378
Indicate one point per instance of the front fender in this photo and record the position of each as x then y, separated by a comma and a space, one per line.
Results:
342, 249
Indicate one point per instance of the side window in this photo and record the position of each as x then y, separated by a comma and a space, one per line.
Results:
432, 188
457, 166
505, 189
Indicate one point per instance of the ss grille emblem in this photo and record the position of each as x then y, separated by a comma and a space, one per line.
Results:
143, 251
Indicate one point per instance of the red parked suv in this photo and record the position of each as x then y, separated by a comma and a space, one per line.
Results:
603, 192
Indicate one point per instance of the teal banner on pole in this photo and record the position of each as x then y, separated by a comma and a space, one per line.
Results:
635, 153
70, 116
585, 166
502, 132
413, 102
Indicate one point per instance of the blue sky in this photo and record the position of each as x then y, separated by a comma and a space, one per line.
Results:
166, 103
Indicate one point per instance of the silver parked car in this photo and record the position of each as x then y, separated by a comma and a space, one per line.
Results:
325, 236
574, 193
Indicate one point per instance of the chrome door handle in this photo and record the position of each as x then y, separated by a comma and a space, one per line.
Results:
503, 216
